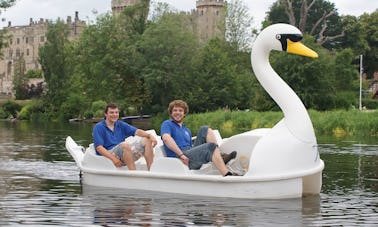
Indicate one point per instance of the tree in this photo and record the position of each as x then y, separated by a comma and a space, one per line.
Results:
19, 80
53, 59
4, 4
113, 71
239, 32
318, 18
168, 47
369, 23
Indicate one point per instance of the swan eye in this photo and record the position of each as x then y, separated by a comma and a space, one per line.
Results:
291, 37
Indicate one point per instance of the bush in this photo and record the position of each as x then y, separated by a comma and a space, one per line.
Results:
35, 107
3, 114
370, 104
97, 108
11, 108
73, 107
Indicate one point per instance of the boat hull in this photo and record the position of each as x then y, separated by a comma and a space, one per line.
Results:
170, 175
205, 185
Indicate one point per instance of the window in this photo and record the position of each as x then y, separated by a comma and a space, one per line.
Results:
27, 52
18, 41
26, 40
42, 39
9, 68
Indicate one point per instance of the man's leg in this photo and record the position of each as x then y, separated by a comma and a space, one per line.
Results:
218, 162
148, 151
210, 137
127, 155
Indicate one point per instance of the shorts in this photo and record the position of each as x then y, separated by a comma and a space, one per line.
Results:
136, 146
201, 152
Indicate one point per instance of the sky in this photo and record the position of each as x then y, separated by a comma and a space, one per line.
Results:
21, 13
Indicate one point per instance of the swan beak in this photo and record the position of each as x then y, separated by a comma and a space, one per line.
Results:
300, 49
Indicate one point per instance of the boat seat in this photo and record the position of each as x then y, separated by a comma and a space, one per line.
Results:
91, 159
169, 165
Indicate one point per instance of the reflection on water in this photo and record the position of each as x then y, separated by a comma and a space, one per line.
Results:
117, 206
40, 185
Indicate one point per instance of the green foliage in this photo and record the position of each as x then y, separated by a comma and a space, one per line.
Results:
342, 123
311, 21
3, 114
238, 25
370, 104
4, 4
73, 107
34, 73
97, 108
369, 23
53, 59
31, 110
11, 108
216, 76
168, 47
338, 123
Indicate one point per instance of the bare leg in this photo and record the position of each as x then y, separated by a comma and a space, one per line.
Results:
218, 162
210, 138
128, 156
148, 152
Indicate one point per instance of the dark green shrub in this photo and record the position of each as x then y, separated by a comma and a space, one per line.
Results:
11, 108
73, 107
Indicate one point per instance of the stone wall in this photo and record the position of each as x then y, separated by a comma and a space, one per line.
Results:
23, 43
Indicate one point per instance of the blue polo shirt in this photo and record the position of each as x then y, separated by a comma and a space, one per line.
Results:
102, 135
181, 135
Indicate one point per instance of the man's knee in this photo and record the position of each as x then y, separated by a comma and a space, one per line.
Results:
125, 147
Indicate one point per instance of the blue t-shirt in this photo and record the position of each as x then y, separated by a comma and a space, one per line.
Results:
102, 135
181, 135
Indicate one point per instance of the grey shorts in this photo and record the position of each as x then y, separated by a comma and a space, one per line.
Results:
201, 152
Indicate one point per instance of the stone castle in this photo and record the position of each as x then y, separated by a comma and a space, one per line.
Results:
24, 41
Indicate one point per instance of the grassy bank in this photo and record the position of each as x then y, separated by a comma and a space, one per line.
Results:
338, 123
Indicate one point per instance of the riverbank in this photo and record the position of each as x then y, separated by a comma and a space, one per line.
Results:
336, 123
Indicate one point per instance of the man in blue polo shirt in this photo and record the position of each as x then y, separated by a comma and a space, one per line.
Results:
177, 140
109, 140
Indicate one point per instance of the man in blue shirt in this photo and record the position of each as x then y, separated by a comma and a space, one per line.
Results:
109, 140
177, 140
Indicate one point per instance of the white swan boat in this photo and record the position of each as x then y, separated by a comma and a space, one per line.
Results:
281, 162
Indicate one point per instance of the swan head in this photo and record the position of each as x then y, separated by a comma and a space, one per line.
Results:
284, 37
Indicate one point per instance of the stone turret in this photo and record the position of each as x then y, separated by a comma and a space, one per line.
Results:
119, 5
210, 19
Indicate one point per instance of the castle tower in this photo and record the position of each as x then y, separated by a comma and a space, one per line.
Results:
119, 5
210, 19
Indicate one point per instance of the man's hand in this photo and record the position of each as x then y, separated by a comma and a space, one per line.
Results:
118, 163
184, 159
153, 140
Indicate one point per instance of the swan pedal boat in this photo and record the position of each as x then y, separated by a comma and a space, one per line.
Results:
280, 162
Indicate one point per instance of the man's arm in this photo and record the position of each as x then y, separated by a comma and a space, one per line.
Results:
171, 144
142, 133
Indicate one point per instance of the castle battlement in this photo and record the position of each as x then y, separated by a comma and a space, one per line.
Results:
210, 3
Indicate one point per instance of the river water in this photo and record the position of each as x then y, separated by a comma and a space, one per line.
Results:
40, 185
